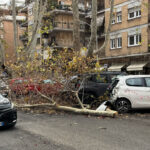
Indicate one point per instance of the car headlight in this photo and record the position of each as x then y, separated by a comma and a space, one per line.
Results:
4, 101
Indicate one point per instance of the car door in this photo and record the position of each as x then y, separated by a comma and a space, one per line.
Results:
146, 92
136, 92
101, 84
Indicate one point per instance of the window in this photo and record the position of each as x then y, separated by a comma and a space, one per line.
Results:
135, 82
147, 82
38, 41
113, 20
134, 40
1, 36
119, 17
119, 42
100, 78
134, 13
112, 44
1, 25
30, 11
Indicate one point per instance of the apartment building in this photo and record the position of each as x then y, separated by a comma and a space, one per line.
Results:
59, 22
6, 34
128, 48
61, 33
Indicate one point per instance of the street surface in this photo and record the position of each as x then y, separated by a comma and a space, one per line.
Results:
75, 132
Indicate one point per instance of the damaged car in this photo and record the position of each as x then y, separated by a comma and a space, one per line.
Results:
8, 114
130, 92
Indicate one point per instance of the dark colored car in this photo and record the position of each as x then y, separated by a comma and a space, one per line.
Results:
96, 85
8, 114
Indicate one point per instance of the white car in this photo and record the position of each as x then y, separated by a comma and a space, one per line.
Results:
129, 92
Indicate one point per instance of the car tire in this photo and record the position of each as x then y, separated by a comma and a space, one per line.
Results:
123, 105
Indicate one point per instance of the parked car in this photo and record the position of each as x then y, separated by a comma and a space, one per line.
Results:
22, 86
130, 92
49, 87
96, 85
8, 114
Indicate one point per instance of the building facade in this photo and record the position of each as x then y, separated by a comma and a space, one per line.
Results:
128, 47
6, 34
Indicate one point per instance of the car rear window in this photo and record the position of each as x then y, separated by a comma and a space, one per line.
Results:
147, 82
101, 78
135, 82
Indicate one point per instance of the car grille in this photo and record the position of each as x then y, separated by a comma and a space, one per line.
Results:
8, 116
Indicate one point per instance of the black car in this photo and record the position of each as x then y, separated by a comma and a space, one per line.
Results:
96, 85
8, 114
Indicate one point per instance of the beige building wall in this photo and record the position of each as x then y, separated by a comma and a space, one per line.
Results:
123, 28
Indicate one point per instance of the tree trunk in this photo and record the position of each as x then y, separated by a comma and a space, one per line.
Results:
2, 53
108, 30
109, 113
93, 39
14, 26
38, 15
76, 26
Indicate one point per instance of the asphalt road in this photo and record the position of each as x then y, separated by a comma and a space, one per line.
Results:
74, 132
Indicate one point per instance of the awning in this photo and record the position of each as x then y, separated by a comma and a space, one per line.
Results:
116, 67
136, 66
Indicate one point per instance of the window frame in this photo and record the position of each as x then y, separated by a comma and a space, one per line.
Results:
135, 11
137, 40
118, 42
119, 15
113, 21
113, 45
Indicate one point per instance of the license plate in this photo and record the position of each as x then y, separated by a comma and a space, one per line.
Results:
1, 124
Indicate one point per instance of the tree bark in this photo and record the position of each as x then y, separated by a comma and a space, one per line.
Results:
76, 26
93, 39
15, 26
102, 48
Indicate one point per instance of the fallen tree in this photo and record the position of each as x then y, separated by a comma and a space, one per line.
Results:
108, 113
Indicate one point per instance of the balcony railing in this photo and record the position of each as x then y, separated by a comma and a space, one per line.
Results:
60, 7
66, 26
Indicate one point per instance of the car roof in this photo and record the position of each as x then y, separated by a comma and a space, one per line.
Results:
133, 76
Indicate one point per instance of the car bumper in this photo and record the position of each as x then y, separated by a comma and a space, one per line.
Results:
8, 117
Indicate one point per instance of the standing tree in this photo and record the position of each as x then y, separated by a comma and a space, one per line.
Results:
15, 26
76, 26
93, 39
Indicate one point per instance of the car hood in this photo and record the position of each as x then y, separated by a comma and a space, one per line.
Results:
4, 103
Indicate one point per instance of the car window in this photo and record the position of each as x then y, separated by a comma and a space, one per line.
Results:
135, 82
100, 78
147, 82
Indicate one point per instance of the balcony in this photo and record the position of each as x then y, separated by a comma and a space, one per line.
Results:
66, 9
66, 26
